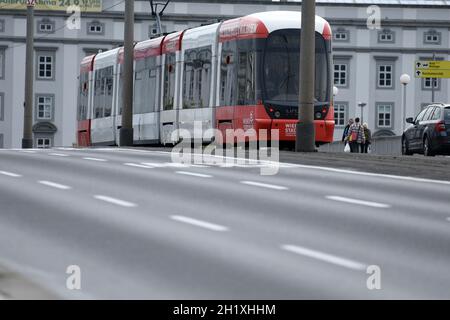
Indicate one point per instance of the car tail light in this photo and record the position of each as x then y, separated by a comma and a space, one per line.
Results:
440, 126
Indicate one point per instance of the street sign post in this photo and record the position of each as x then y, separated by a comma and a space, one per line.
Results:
432, 69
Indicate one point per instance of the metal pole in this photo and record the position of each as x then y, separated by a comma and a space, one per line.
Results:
126, 131
305, 135
404, 108
27, 140
432, 81
362, 114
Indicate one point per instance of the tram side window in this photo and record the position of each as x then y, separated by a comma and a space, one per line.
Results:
145, 86
120, 89
169, 82
228, 75
98, 95
83, 97
246, 78
197, 77
109, 85
103, 92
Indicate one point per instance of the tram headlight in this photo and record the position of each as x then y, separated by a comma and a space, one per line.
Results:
318, 115
277, 114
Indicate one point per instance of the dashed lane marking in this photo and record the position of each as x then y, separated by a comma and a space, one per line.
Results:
54, 185
193, 174
137, 165
58, 155
115, 201
10, 174
95, 159
326, 257
200, 223
264, 185
358, 202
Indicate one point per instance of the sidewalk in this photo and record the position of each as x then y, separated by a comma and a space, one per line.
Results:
416, 166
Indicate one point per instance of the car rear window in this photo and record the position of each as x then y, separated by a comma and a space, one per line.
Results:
447, 113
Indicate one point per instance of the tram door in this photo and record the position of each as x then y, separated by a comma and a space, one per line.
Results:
170, 109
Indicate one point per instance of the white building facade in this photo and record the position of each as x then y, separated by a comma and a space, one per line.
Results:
368, 59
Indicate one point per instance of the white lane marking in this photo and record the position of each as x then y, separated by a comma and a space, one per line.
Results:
165, 164
58, 154
343, 262
115, 201
10, 174
136, 165
27, 151
264, 185
193, 174
359, 202
199, 223
95, 159
54, 185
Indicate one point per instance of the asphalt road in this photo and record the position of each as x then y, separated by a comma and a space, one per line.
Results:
140, 227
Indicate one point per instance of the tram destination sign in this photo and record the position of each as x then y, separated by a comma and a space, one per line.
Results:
432, 69
53, 5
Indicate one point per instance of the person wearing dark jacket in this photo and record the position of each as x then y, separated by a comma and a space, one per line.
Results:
345, 134
347, 127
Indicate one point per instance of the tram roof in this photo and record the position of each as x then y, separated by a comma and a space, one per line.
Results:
383, 2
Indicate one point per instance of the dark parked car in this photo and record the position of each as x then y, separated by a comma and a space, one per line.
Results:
429, 133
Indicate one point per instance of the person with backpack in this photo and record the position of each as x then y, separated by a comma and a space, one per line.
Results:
367, 137
356, 137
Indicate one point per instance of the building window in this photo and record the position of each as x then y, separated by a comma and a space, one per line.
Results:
384, 115
96, 27
45, 26
341, 74
1, 140
2, 106
45, 65
427, 84
341, 35
2, 25
432, 37
44, 107
43, 143
2, 63
340, 113
153, 30
385, 73
386, 36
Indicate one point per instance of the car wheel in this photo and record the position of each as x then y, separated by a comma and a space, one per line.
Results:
405, 148
427, 148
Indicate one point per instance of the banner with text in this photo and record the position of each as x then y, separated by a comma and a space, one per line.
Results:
54, 5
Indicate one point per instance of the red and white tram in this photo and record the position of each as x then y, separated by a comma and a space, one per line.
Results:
237, 74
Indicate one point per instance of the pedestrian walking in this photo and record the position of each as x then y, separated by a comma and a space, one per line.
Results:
345, 134
356, 137
367, 138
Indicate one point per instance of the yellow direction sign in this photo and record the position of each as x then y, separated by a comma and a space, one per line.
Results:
425, 65
432, 69
444, 73
53, 5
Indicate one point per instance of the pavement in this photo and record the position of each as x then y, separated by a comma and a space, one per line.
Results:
141, 227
